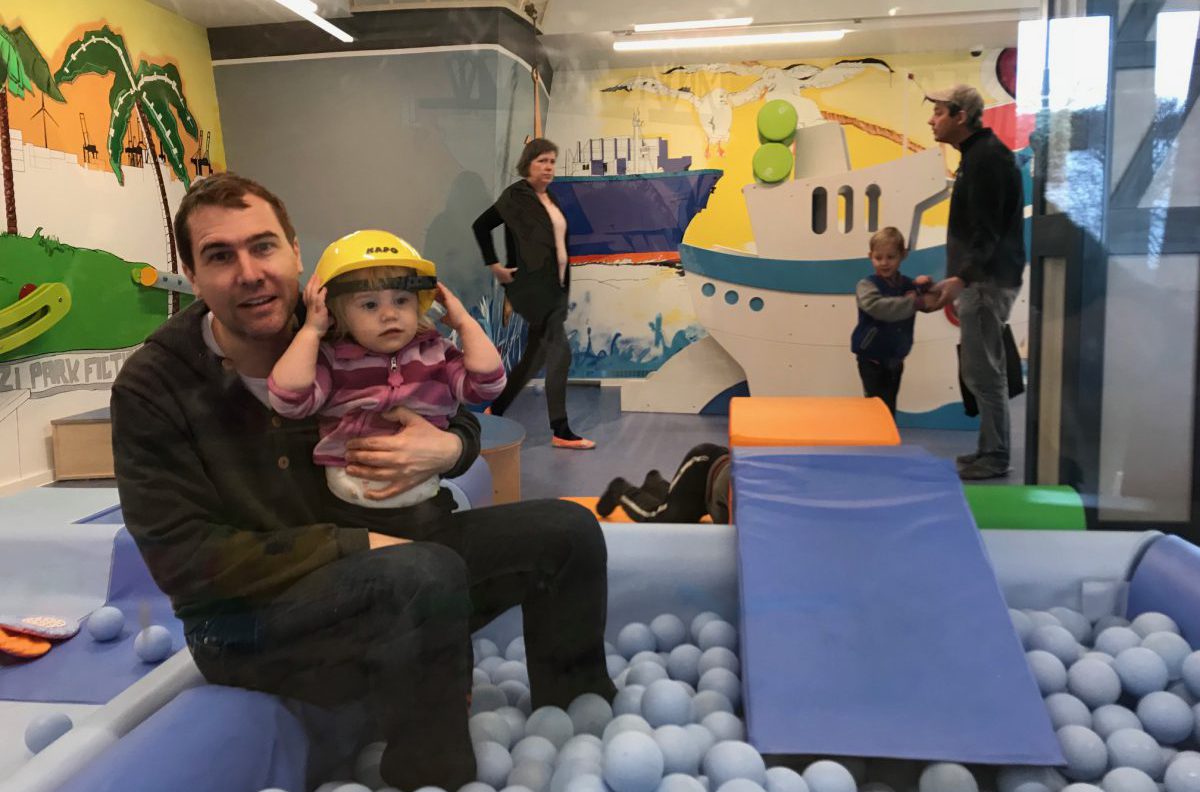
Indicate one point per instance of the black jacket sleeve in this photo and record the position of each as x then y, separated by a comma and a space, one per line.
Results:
179, 520
482, 228
466, 426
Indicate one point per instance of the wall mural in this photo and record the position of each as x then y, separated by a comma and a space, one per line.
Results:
99, 136
766, 268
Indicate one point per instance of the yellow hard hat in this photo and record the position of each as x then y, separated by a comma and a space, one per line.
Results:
365, 249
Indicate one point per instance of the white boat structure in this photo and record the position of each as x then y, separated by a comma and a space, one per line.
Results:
783, 310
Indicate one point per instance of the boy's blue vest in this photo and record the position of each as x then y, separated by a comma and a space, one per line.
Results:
884, 341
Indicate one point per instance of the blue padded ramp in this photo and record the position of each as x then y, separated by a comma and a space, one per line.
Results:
85, 671
872, 622
1167, 580
207, 739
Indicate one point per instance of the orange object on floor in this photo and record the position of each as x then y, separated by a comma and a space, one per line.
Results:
618, 514
810, 421
582, 444
25, 647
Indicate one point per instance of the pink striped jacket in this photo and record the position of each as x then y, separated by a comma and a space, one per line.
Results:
354, 387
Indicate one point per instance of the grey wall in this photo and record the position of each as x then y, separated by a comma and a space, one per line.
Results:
416, 143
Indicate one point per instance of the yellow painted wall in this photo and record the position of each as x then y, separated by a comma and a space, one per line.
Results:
151, 33
892, 101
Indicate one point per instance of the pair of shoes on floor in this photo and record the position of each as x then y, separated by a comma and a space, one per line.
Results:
981, 470
578, 443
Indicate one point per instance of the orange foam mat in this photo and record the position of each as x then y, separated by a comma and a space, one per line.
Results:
810, 421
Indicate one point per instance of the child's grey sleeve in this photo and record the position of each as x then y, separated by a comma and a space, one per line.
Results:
885, 309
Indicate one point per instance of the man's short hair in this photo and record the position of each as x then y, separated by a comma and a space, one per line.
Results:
964, 98
533, 149
227, 190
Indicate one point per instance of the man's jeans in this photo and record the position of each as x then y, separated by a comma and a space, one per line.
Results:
982, 312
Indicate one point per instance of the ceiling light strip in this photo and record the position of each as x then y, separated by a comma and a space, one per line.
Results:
749, 39
307, 9
695, 24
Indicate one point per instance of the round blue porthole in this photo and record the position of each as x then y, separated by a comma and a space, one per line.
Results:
708, 290
756, 304
731, 297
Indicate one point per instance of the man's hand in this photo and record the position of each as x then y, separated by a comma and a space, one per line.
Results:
948, 291
378, 540
417, 451
503, 274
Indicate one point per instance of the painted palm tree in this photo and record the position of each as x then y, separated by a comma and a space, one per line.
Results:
156, 93
22, 68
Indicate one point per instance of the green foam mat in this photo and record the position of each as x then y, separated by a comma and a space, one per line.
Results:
1034, 508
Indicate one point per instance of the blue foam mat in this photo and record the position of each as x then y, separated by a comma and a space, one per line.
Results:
85, 671
1167, 580
872, 622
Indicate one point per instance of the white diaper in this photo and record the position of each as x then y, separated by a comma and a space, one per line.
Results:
353, 489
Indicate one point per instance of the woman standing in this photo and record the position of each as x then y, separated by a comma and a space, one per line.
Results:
536, 280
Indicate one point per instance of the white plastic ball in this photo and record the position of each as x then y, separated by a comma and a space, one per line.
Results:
492, 764
1048, 671
615, 664
1029, 779
1022, 625
587, 783
1067, 710
1127, 779
351, 788
1109, 620
707, 702
515, 719
490, 726
1113, 717
683, 663
1058, 641
553, 723
534, 748
1115, 640
582, 746
677, 782
1166, 717
947, 777
106, 623
624, 723
646, 672
1075, 622
1137, 749
1189, 670
628, 700
635, 637
1094, 683
1103, 657
534, 776
698, 623
827, 776
486, 698
718, 657
723, 681
515, 649
1082, 787
1085, 752
513, 691
679, 750
511, 670
567, 771
648, 657
785, 779
718, 633
45, 729
484, 648
489, 664
1183, 774
1151, 622
1172, 648
724, 726
730, 759
669, 631
633, 762
474, 786
479, 677
589, 714
740, 785
667, 702
1041, 618
153, 644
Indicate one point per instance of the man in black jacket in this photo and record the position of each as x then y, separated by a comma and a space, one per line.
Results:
284, 588
985, 258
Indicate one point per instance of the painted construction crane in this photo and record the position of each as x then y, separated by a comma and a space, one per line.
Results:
90, 152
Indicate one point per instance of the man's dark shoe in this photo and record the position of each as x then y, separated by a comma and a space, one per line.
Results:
966, 459
980, 470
